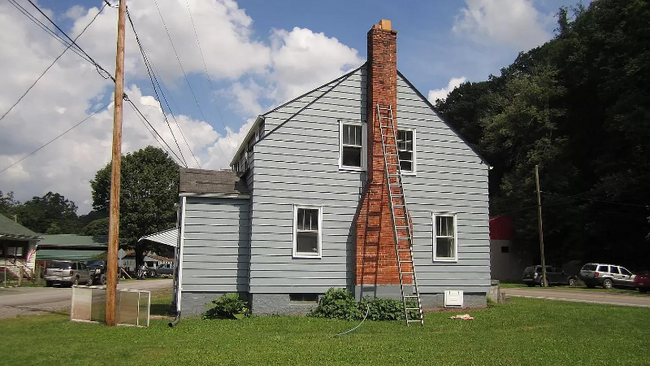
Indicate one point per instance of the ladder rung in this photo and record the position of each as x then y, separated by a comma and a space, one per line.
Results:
408, 273
414, 320
401, 227
411, 296
403, 238
412, 308
403, 250
406, 262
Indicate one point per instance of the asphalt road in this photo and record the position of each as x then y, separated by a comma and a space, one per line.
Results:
38, 300
596, 297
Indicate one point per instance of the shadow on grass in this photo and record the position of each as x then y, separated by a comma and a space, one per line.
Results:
161, 309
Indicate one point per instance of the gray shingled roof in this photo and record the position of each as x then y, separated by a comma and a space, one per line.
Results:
211, 181
11, 229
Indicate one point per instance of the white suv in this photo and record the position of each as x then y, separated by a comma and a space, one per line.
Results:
606, 275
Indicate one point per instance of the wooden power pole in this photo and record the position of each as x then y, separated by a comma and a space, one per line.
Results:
539, 225
114, 220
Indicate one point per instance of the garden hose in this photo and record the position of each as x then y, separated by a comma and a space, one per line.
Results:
355, 328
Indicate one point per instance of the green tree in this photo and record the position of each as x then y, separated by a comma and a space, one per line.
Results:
148, 197
39, 213
96, 227
8, 204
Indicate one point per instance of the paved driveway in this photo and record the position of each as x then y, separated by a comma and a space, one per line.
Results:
39, 300
597, 297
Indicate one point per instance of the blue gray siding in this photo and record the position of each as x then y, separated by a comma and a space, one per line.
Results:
450, 178
298, 165
216, 245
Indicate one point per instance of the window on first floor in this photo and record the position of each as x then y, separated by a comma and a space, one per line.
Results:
445, 243
307, 232
406, 150
352, 145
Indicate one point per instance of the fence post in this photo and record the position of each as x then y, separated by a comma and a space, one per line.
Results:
20, 276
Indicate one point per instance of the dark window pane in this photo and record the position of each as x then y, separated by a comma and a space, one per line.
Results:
445, 226
307, 242
352, 135
603, 268
505, 249
307, 219
352, 156
614, 269
406, 165
445, 247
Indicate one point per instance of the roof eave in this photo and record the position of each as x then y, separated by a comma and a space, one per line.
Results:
244, 142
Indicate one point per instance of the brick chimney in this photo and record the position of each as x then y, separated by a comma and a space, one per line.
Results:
376, 262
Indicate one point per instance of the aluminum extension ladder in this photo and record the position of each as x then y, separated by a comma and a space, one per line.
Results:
401, 218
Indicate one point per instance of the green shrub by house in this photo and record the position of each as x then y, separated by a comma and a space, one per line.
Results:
225, 307
340, 304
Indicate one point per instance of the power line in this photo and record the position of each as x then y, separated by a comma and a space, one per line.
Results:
183, 70
152, 127
99, 67
154, 81
207, 73
52, 64
56, 138
47, 30
95, 63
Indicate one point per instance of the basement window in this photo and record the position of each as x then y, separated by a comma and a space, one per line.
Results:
445, 243
352, 154
309, 298
307, 232
406, 150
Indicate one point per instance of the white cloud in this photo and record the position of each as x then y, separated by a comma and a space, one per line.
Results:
443, 92
290, 63
512, 23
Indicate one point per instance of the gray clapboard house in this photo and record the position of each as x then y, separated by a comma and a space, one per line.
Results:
296, 216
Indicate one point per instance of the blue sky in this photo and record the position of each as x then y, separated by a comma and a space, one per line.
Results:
258, 54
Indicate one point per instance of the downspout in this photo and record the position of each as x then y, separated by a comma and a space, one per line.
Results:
179, 264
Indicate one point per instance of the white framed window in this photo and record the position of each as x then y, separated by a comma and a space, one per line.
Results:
352, 145
445, 237
406, 150
307, 231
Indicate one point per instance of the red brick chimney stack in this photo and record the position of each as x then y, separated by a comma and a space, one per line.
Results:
376, 262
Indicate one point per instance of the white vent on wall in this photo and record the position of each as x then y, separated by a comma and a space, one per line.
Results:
453, 298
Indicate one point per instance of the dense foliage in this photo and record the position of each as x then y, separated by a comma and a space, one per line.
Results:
148, 197
577, 106
340, 304
225, 307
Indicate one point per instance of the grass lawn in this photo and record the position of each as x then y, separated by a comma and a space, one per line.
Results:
525, 331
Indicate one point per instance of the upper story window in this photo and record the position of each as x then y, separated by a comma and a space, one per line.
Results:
406, 150
445, 235
352, 145
307, 232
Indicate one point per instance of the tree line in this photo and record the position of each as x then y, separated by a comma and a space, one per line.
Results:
579, 107
148, 200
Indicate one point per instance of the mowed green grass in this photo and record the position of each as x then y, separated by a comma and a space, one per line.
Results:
524, 331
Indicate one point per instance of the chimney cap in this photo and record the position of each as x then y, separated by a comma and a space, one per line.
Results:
384, 24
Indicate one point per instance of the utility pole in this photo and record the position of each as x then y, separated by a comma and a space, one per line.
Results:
114, 220
539, 225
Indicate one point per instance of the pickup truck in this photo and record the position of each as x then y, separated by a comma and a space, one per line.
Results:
67, 273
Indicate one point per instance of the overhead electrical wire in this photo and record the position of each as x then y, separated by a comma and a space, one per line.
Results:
180, 64
56, 138
156, 85
207, 73
105, 75
47, 30
95, 63
51, 64
140, 114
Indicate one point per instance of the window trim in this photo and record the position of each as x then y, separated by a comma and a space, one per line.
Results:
364, 146
295, 252
435, 237
414, 163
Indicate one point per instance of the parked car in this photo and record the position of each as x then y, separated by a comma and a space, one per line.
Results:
97, 268
642, 281
165, 269
554, 276
606, 275
67, 273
